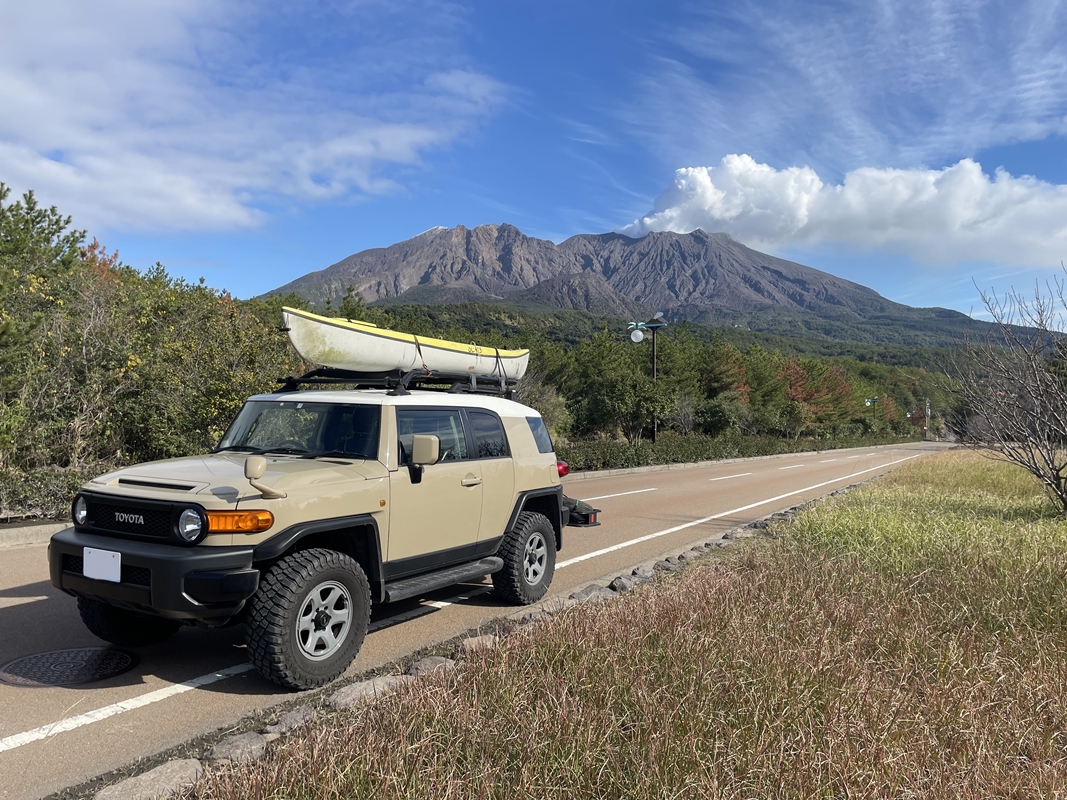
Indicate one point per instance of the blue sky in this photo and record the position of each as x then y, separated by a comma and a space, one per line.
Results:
912, 147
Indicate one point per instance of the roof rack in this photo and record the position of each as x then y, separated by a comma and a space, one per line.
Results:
400, 383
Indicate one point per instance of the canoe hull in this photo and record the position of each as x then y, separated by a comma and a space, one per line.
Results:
360, 347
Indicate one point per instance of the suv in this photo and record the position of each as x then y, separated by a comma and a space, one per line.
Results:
314, 506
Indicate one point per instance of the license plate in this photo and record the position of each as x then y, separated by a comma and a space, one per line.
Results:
102, 565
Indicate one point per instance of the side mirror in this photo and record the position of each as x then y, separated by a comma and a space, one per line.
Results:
255, 466
425, 449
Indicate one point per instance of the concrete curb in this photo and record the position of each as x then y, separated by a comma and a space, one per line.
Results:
25, 535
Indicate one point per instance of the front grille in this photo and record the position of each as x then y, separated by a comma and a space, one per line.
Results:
137, 576
128, 519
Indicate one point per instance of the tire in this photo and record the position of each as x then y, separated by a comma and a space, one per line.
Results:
529, 553
298, 632
123, 627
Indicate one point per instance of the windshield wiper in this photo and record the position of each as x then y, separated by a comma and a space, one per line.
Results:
289, 451
333, 454
240, 448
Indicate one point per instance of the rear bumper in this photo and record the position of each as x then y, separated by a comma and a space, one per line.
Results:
209, 584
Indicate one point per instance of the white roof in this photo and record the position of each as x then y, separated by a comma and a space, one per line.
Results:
417, 397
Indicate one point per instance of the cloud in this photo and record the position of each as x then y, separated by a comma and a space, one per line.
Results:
838, 84
936, 217
192, 115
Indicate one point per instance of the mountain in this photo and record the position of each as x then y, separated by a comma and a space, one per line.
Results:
708, 278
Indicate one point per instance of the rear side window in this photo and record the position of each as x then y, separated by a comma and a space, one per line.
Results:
489, 439
540, 434
445, 424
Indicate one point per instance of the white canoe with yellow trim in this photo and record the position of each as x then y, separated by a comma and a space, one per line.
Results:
364, 347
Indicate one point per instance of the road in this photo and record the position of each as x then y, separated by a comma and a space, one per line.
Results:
55, 737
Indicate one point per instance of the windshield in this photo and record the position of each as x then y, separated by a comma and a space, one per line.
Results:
306, 429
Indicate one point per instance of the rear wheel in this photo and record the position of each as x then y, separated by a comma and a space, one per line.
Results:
123, 627
529, 553
308, 619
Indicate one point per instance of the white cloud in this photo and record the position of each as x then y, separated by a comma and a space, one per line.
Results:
851, 82
192, 115
937, 217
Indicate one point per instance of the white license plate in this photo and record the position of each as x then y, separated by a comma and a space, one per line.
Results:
102, 565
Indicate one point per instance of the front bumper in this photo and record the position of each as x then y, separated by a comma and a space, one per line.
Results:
209, 584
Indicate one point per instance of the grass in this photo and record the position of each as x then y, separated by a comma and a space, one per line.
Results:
908, 639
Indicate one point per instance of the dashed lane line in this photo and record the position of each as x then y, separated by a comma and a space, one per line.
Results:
793, 466
827, 461
702, 520
620, 494
727, 477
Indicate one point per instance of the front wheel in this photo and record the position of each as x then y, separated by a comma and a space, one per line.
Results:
308, 619
529, 553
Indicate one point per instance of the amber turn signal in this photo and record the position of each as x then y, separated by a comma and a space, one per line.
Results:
239, 521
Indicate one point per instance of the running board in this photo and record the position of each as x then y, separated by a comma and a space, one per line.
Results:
421, 584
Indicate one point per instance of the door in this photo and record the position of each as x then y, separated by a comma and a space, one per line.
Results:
498, 472
435, 521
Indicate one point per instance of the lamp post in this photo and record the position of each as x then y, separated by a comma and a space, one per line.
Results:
637, 334
870, 401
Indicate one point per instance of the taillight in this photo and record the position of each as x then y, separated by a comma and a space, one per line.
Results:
562, 468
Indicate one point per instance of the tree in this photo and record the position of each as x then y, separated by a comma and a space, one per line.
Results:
1014, 387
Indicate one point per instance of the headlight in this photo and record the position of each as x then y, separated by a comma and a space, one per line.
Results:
190, 525
81, 511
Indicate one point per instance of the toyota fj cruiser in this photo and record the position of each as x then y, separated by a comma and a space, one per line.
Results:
314, 506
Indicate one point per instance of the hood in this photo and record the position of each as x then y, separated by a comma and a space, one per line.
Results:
222, 476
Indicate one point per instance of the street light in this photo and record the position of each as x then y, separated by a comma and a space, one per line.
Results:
870, 401
637, 334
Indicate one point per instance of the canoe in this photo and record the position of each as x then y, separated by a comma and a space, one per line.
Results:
363, 347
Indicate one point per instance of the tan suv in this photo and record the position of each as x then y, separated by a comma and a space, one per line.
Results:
315, 505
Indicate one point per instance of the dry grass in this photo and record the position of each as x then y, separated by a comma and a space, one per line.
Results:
908, 639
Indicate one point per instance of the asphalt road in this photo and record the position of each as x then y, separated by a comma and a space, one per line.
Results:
52, 738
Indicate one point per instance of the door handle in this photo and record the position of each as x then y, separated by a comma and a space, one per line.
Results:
471, 480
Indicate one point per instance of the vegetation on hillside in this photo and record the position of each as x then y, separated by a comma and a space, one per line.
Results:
102, 365
907, 639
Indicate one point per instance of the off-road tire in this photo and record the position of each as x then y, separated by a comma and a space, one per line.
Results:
271, 628
531, 535
123, 627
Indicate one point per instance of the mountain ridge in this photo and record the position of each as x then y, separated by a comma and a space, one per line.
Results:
708, 278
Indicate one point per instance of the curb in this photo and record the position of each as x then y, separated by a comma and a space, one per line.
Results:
26, 535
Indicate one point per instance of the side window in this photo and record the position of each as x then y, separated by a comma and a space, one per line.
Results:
443, 423
489, 439
540, 434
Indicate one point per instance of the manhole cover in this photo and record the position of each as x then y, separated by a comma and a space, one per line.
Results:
67, 667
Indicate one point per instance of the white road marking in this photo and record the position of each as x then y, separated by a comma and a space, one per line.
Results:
793, 466
702, 520
620, 494
827, 461
69, 724
727, 477
426, 608
853, 456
